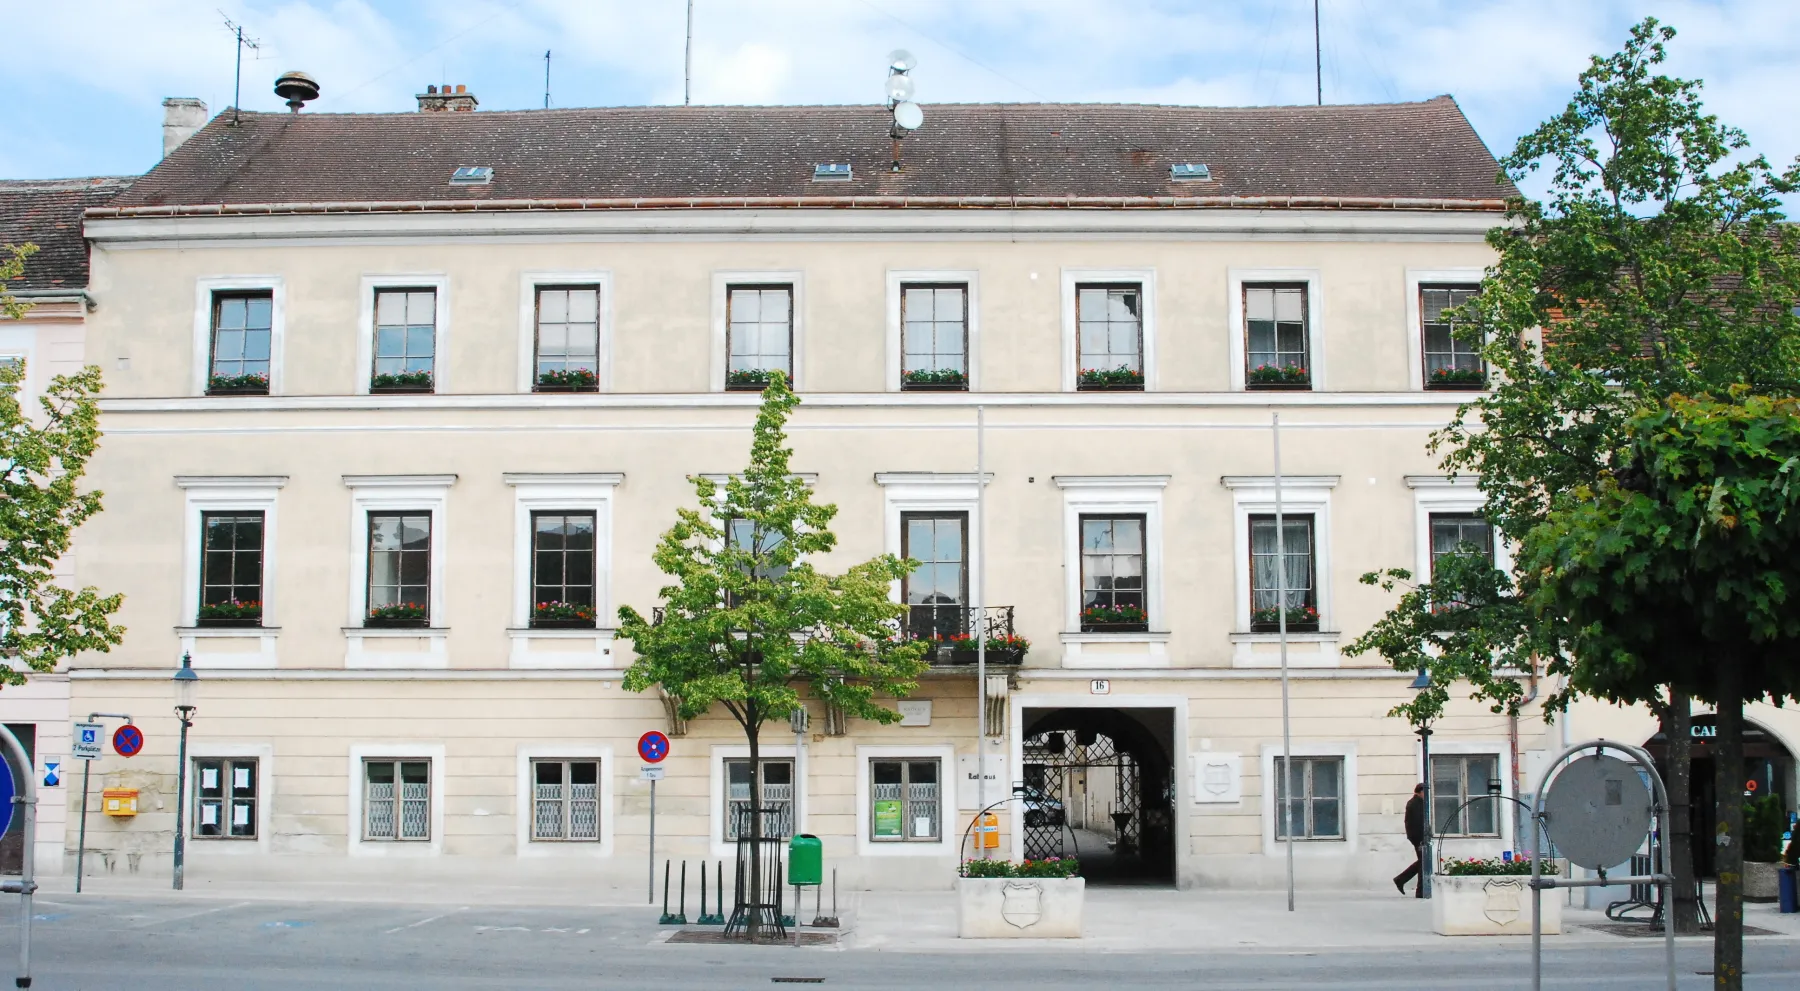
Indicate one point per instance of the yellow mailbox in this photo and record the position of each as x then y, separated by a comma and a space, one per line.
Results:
119, 801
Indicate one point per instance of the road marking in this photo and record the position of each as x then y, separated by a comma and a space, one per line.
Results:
501, 929
187, 915
421, 922
582, 932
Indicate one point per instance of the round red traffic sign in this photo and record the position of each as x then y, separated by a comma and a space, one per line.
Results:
653, 747
128, 740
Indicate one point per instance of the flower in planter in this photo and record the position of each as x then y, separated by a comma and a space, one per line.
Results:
1458, 376
1120, 376
747, 377
562, 611
568, 378
399, 611
1113, 614
231, 609
1296, 616
1279, 375
401, 380
252, 382
1491, 866
934, 376
1049, 867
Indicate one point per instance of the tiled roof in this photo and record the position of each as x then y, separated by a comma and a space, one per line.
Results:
972, 152
47, 213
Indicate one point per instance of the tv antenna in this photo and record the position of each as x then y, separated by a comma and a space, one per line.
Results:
546, 79
237, 77
907, 115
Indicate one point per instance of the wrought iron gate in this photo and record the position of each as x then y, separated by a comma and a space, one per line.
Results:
1050, 759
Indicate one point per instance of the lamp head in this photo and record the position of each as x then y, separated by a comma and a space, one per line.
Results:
185, 682
1423, 681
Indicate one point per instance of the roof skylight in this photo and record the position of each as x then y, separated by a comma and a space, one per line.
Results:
1189, 172
832, 172
472, 175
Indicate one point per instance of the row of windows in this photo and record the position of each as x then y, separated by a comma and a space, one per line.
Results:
934, 346
905, 798
1114, 558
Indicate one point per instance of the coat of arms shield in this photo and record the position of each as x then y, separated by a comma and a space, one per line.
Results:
1022, 905
1502, 902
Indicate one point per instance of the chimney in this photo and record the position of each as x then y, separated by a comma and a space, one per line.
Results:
436, 99
182, 116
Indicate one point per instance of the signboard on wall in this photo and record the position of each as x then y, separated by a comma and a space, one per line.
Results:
998, 784
887, 818
1218, 778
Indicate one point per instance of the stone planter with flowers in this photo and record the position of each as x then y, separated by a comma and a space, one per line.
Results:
1114, 619
1032, 899
1491, 897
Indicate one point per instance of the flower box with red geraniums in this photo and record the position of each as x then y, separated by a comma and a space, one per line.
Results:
230, 613
253, 384
1278, 377
401, 382
934, 380
402, 614
1300, 619
568, 380
1114, 619
562, 616
1457, 378
1005, 649
1115, 379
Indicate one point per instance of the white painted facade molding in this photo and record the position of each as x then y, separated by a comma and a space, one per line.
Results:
205, 288
527, 848
1236, 329
1417, 278
897, 280
430, 847
439, 284
923, 492
249, 646
948, 834
1348, 812
369, 494
205, 847
1308, 495
1125, 495
542, 492
1072, 278
722, 283
529, 283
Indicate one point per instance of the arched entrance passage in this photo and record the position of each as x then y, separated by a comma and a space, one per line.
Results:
1767, 762
1099, 786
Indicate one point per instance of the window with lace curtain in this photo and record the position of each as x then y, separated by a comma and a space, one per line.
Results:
1268, 562
565, 800
397, 800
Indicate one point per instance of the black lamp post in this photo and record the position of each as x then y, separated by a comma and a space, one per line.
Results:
1427, 865
185, 682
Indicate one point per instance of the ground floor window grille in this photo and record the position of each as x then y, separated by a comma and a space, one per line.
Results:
397, 800
1456, 779
225, 799
904, 804
1309, 798
565, 800
777, 795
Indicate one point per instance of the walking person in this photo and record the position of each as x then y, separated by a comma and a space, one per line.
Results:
1415, 834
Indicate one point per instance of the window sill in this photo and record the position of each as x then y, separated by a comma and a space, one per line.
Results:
229, 647
1311, 649
227, 624
407, 390
1143, 649
396, 647
934, 387
1109, 387
565, 388
215, 393
1278, 386
1456, 387
541, 648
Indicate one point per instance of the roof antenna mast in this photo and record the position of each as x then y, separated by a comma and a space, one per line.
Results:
546, 79
237, 76
1318, 75
907, 115
687, 65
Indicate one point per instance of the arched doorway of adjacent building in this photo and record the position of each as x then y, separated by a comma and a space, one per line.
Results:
1099, 786
1767, 762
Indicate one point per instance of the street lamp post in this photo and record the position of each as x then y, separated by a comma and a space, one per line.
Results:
1427, 865
185, 682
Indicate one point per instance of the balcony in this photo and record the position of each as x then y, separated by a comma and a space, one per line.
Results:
954, 630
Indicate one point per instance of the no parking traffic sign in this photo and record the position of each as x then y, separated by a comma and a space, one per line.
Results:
653, 747
128, 740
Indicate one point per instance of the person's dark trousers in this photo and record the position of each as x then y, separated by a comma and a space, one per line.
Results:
1413, 871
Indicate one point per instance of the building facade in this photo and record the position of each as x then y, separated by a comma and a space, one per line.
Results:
398, 405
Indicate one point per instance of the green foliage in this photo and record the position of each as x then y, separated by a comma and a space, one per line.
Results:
572, 379
1120, 376
11, 268
1278, 375
1764, 822
231, 609
419, 381
1491, 867
934, 376
1048, 867
748, 620
42, 460
252, 382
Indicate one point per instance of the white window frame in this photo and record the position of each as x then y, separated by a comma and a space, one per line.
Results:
1145, 278
949, 836
905, 492
1254, 495
1447, 494
228, 493
716, 792
1479, 845
360, 752
1346, 847
204, 289
20, 344
897, 279
562, 649
721, 320
1126, 495
1237, 278
439, 283
529, 283
264, 755
1416, 279
389, 493
525, 846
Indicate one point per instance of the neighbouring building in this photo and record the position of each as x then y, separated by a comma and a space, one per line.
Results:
48, 342
379, 384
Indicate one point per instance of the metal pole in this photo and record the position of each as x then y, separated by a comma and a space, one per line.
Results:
1537, 894
26, 795
981, 730
1427, 862
1284, 783
546, 79
1318, 73
181, 804
687, 74
81, 843
652, 894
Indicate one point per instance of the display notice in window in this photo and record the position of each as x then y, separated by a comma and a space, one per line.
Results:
209, 815
209, 778
240, 778
240, 815
922, 826
887, 817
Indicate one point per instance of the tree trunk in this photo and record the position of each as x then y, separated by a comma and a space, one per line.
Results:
754, 883
1677, 730
1728, 912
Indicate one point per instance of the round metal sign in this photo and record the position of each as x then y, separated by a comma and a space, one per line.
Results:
653, 747
1597, 811
128, 740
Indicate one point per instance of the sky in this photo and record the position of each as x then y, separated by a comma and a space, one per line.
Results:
83, 80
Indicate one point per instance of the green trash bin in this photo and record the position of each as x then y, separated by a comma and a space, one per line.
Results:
806, 860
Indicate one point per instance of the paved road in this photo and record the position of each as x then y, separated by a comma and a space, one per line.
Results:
101, 943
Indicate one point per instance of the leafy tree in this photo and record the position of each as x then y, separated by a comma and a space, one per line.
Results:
1658, 265
1688, 552
42, 459
10, 269
748, 621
